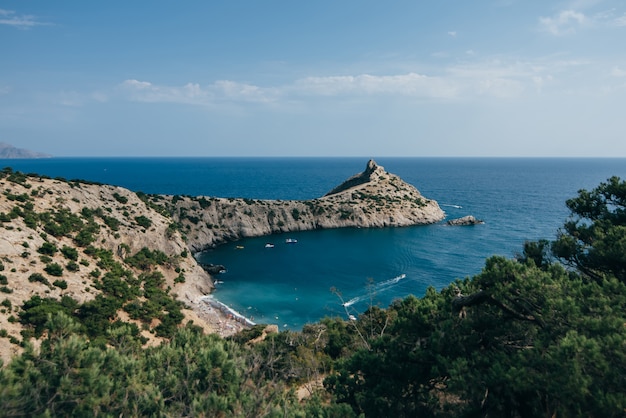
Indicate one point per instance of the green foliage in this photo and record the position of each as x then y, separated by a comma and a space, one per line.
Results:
204, 203
54, 269
96, 315
72, 266
121, 199
38, 277
193, 375
143, 221
111, 222
145, 258
47, 248
70, 253
61, 284
36, 310
61, 223
86, 235
594, 240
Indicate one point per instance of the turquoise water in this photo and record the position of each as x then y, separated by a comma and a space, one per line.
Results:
290, 285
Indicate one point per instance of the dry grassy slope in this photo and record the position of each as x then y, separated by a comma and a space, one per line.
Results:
19, 244
377, 199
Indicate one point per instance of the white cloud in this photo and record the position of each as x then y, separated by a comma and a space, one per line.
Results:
563, 23
618, 72
10, 18
570, 20
194, 93
620, 21
411, 84
496, 78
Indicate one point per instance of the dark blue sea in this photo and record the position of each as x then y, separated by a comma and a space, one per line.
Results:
290, 285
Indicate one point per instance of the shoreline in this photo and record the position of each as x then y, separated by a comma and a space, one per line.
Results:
218, 318
227, 311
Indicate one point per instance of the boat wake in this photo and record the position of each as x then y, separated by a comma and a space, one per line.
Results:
378, 287
451, 206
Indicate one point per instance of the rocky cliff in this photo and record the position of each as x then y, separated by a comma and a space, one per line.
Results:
109, 246
60, 238
373, 198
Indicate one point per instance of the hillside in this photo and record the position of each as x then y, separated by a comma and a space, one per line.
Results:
128, 257
9, 151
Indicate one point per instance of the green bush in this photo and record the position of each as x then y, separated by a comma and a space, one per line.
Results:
47, 248
145, 258
54, 269
121, 199
36, 310
72, 266
70, 253
38, 277
61, 284
143, 221
111, 222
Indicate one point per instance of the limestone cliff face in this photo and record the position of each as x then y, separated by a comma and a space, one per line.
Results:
373, 198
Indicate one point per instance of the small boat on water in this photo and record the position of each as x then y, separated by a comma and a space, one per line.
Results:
291, 241
269, 245
240, 247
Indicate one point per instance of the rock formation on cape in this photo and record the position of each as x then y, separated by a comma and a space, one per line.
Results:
371, 199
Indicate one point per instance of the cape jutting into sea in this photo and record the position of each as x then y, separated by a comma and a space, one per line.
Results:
290, 284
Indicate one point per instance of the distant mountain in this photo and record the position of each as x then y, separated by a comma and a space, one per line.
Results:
9, 151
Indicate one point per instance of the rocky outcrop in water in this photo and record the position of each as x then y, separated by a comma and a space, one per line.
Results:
465, 221
371, 199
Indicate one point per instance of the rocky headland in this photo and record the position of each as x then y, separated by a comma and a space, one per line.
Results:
371, 199
92, 243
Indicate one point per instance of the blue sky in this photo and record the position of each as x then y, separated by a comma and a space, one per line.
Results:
316, 78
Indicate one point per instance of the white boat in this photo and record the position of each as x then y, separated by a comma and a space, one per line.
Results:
269, 245
291, 241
